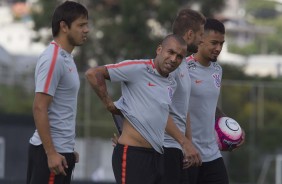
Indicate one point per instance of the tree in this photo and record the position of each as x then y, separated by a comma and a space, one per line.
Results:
42, 13
266, 14
124, 28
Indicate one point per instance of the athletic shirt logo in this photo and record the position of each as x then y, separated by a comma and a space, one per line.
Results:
216, 78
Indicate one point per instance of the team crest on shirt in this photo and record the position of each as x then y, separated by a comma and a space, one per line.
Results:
150, 70
191, 65
217, 80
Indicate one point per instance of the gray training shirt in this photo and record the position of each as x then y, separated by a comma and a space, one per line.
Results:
206, 83
146, 96
56, 75
180, 103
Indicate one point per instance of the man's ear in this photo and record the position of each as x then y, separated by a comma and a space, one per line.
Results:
63, 26
159, 49
189, 34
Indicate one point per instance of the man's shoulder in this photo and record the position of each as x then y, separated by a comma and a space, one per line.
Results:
191, 63
216, 66
53, 52
48, 51
139, 63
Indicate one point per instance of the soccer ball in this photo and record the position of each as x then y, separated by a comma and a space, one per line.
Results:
228, 133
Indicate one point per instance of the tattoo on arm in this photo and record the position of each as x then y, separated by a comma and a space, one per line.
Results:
97, 78
101, 87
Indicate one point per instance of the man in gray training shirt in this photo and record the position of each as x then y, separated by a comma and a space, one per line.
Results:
179, 150
206, 75
147, 90
51, 151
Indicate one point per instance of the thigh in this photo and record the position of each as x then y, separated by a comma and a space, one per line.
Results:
173, 166
136, 165
38, 171
60, 179
191, 175
213, 172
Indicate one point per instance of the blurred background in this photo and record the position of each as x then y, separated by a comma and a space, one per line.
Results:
131, 29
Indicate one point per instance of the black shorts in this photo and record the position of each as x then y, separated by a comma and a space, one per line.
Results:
137, 165
38, 171
173, 165
213, 172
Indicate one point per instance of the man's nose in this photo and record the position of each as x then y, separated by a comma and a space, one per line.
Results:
173, 58
86, 29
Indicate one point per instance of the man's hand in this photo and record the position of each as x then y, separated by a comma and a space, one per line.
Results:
76, 156
242, 141
114, 140
57, 163
191, 155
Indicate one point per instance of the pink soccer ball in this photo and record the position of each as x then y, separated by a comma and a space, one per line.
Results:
228, 133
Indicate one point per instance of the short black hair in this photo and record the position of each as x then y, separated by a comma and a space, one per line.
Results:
214, 25
176, 37
68, 12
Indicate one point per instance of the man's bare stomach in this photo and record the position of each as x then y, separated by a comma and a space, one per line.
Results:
130, 136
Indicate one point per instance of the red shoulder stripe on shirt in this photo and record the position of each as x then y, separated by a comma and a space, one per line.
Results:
51, 69
125, 63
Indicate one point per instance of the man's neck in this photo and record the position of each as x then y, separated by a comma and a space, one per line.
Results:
203, 61
64, 44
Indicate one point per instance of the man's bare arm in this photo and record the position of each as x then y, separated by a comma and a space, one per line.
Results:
56, 162
97, 78
191, 156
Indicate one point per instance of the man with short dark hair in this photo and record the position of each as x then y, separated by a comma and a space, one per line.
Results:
147, 90
179, 150
206, 75
51, 152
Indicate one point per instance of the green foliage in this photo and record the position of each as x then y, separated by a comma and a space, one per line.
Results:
42, 13
15, 99
274, 45
211, 7
262, 13
166, 11
247, 50
238, 172
261, 9
234, 72
93, 119
268, 139
123, 26
131, 32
